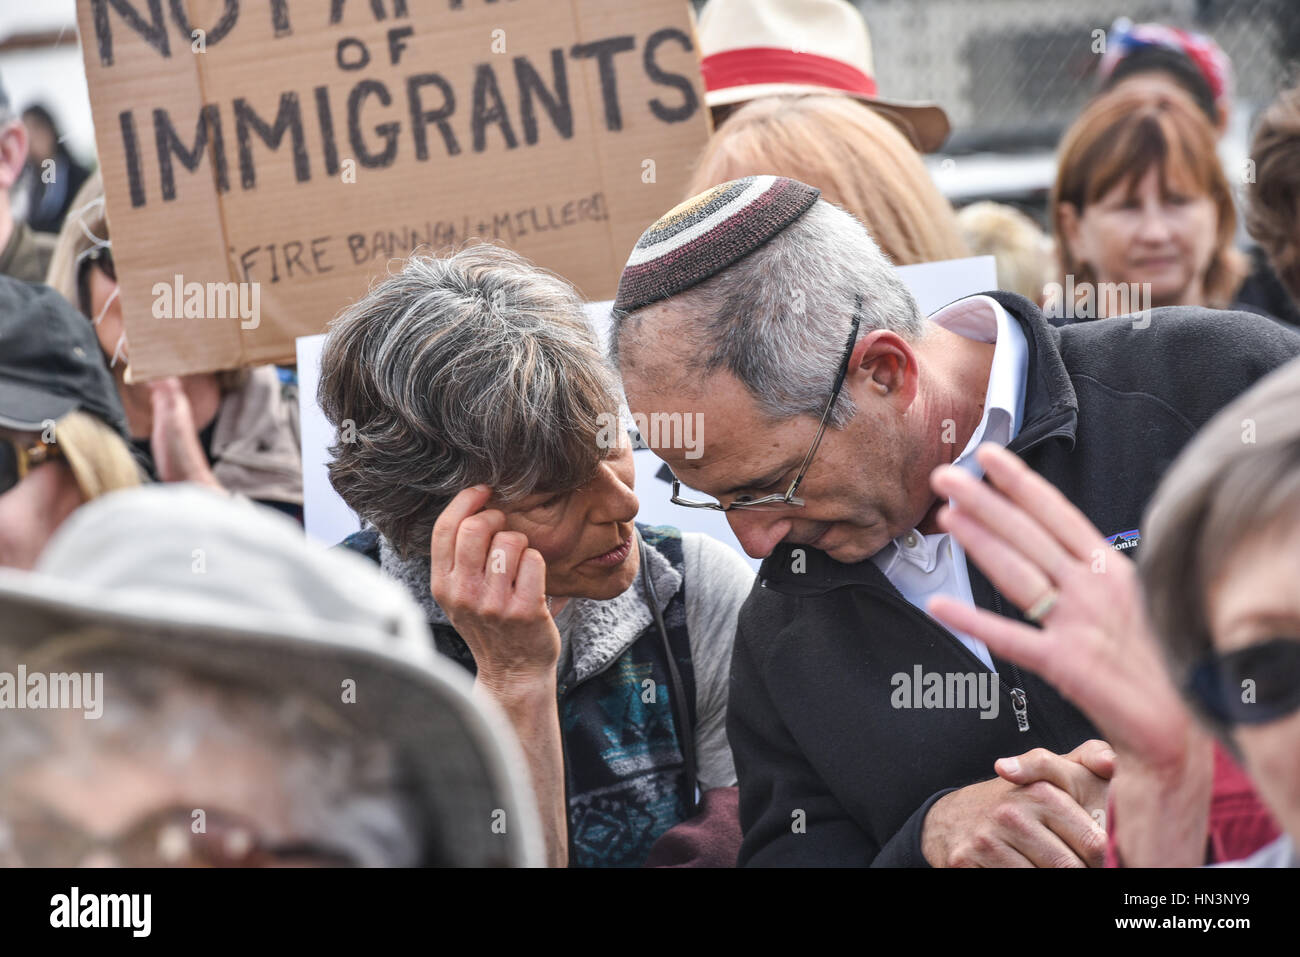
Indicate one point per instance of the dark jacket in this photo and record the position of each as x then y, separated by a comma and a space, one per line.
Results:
831, 773
1262, 291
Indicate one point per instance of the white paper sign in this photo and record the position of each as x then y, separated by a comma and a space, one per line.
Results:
326, 516
936, 284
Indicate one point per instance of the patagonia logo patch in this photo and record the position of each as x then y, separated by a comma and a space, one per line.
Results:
1125, 540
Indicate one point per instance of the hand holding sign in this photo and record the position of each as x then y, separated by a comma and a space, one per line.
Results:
173, 440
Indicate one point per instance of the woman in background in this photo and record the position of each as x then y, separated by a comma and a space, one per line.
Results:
235, 430
62, 438
1141, 204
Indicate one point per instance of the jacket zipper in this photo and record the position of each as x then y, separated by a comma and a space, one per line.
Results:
1019, 700
1019, 704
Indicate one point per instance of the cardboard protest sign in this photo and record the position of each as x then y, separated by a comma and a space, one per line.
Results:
263, 162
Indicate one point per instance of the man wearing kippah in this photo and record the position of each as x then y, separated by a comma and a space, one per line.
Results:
865, 732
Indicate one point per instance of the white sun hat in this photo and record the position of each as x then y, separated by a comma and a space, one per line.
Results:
756, 48
220, 587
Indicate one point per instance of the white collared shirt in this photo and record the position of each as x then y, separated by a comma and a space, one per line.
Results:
922, 566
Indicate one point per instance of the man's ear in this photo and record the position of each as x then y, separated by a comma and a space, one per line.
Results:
884, 363
13, 154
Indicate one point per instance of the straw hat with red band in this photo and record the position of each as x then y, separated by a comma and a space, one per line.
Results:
755, 48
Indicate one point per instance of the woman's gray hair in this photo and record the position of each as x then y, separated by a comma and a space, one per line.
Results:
1237, 477
779, 318
474, 368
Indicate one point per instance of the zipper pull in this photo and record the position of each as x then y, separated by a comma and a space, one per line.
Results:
1020, 705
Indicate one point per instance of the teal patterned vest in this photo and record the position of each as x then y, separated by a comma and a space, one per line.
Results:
625, 772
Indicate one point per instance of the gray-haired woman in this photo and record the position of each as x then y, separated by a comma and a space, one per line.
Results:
472, 402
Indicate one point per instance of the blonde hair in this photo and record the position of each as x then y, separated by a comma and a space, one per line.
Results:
1022, 250
85, 227
858, 159
98, 456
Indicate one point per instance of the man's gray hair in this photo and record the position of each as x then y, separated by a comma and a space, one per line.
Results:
779, 318
474, 368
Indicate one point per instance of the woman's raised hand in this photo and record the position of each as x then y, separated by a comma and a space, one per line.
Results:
492, 586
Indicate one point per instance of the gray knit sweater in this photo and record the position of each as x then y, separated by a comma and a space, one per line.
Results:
594, 633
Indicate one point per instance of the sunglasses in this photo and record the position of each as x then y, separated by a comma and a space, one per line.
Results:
100, 257
1254, 685
16, 460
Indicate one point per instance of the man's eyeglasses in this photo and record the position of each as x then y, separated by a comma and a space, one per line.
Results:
17, 458
788, 500
1254, 685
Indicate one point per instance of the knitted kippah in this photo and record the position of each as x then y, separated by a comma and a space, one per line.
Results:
707, 233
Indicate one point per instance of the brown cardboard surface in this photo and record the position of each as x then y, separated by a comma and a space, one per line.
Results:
291, 219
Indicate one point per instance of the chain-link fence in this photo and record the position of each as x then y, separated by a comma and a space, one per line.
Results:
1017, 71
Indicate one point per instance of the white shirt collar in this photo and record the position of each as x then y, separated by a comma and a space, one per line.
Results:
983, 319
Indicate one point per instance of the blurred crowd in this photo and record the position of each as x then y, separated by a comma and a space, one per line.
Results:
1080, 490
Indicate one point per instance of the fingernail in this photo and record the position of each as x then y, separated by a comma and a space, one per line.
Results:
1108, 755
1011, 765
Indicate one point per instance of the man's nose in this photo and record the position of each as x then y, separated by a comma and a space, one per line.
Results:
758, 531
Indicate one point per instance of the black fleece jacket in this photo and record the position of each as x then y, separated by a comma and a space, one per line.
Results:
831, 773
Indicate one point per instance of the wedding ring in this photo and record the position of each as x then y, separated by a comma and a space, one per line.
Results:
1046, 602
